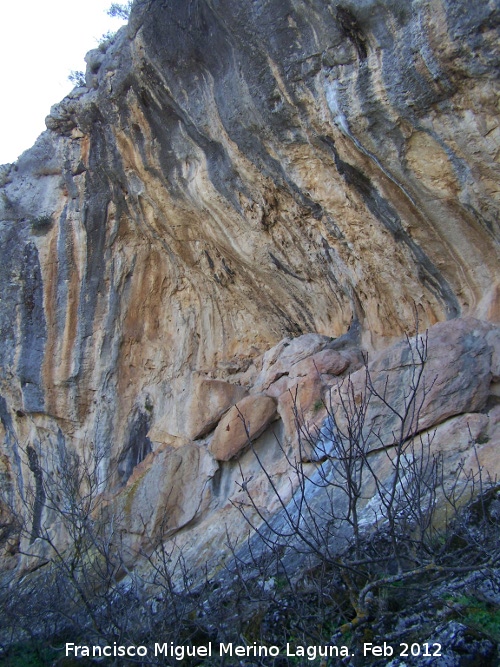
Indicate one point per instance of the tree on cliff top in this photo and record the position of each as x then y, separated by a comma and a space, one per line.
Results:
120, 10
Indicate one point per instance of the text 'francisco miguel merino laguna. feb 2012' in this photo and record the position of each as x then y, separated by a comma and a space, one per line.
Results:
179, 652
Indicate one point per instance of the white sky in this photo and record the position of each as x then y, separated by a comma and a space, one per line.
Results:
41, 41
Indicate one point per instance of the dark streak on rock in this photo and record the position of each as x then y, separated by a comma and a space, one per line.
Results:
137, 447
33, 331
279, 265
39, 495
387, 215
352, 30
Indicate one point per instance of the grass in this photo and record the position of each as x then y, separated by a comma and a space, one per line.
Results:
480, 615
29, 655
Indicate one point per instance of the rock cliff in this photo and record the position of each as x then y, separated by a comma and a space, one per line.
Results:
244, 199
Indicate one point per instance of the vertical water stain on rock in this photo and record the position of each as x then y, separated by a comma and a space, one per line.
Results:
32, 331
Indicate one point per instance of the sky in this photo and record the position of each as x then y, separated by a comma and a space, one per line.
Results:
41, 41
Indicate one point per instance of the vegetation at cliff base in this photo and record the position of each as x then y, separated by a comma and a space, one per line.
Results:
418, 563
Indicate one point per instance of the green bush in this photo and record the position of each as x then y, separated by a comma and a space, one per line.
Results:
29, 655
480, 615
42, 223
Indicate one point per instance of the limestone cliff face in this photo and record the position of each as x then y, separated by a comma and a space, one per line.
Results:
236, 173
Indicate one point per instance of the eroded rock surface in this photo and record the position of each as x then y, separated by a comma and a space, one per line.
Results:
242, 424
245, 192
444, 372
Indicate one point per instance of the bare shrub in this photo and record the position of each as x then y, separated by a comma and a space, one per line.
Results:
376, 518
76, 585
374, 507
77, 78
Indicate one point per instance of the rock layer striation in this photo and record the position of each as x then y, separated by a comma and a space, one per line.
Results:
234, 175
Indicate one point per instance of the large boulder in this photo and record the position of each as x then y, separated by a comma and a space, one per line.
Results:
210, 399
191, 407
278, 361
326, 362
242, 424
419, 383
302, 410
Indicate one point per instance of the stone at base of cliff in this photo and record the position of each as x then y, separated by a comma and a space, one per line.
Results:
429, 378
242, 424
327, 362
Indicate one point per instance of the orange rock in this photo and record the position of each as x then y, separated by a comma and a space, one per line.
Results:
325, 362
242, 424
210, 400
302, 411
